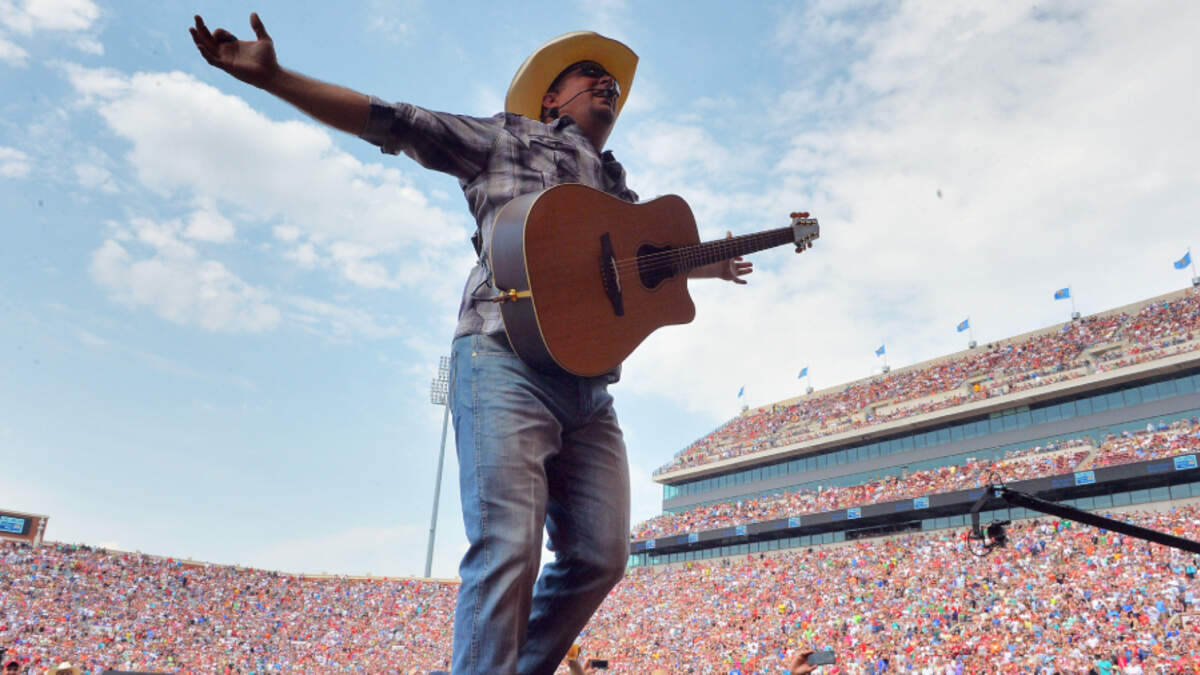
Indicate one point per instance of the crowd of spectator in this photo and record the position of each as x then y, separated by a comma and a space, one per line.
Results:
1048, 460
1060, 598
1156, 441
1079, 348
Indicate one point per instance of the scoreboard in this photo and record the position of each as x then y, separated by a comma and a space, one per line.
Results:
26, 527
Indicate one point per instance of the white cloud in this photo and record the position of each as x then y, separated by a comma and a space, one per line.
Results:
14, 163
359, 216
89, 46
95, 177
1060, 158
168, 276
342, 322
64, 15
286, 232
26, 17
205, 224
12, 54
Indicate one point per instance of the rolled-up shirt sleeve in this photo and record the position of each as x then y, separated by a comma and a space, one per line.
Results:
455, 144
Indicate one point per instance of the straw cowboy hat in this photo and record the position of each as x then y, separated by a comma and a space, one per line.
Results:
65, 668
536, 75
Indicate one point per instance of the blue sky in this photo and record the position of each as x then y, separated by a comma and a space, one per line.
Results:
220, 320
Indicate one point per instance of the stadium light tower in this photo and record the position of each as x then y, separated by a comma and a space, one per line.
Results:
439, 394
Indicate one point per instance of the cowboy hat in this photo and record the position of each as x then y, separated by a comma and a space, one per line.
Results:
538, 72
65, 668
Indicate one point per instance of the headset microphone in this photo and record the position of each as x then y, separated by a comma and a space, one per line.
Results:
612, 91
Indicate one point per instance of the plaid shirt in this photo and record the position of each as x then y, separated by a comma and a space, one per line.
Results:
495, 159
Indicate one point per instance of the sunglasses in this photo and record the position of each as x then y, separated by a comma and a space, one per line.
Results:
587, 69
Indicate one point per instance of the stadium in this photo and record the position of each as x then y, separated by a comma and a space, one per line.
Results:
836, 519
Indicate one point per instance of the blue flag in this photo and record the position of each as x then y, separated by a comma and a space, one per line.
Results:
881, 351
966, 323
803, 372
741, 391
1184, 261
1062, 293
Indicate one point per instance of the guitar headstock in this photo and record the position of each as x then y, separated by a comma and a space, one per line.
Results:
804, 229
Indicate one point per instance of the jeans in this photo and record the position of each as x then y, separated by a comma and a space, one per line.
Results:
534, 450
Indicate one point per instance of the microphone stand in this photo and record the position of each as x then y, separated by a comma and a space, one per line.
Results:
995, 536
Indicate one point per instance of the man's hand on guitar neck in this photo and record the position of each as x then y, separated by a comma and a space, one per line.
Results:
729, 270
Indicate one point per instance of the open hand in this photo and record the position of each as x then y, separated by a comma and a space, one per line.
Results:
736, 267
250, 61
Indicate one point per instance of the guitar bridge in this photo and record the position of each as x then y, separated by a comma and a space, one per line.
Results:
610, 275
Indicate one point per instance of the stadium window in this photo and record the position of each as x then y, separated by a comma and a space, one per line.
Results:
1083, 406
1148, 392
1196, 489
956, 433
1132, 397
1181, 491
794, 466
1103, 501
906, 443
1160, 494
1139, 496
1166, 388
1086, 503
1053, 413
1121, 499
1010, 422
1184, 385
1114, 400
822, 460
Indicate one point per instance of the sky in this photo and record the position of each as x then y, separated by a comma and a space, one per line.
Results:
219, 320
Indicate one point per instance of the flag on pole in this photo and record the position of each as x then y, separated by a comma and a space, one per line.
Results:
966, 323
1184, 261
741, 391
881, 351
803, 372
1062, 293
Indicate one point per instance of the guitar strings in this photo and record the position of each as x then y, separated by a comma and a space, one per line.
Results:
672, 257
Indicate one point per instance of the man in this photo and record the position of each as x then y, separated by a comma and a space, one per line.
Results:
535, 449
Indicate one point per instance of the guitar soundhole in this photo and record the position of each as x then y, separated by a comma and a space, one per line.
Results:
655, 264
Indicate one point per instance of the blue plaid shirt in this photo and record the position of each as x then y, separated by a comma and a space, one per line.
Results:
495, 159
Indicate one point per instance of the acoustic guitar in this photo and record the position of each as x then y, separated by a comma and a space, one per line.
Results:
583, 277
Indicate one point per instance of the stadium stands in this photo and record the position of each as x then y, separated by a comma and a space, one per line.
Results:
1060, 596
1095, 343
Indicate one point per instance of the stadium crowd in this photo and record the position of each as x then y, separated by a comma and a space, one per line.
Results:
1017, 465
1092, 344
1060, 598
1158, 440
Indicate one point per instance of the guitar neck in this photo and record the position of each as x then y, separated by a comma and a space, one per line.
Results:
688, 258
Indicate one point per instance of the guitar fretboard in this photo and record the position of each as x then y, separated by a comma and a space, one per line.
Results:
687, 258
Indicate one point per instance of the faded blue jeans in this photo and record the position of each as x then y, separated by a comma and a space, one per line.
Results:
534, 450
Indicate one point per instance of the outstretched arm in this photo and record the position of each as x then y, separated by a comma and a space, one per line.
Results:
254, 62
